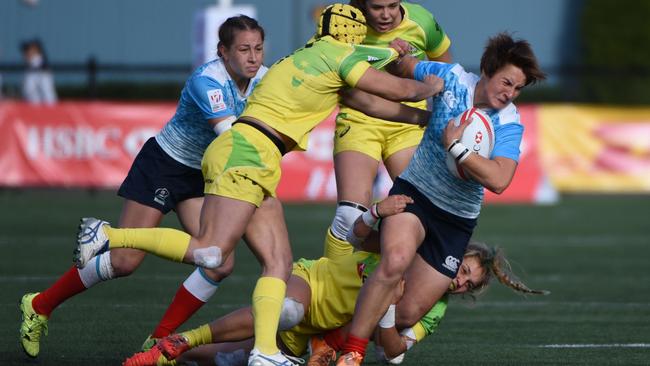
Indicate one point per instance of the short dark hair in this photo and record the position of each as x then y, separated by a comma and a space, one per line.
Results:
502, 50
234, 24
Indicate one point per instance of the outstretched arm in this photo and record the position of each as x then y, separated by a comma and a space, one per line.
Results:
379, 107
396, 88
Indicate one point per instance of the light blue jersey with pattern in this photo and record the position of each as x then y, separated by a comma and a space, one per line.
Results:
209, 93
427, 170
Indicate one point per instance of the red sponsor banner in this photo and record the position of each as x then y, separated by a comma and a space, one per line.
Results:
529, 183
74, 144
92, 144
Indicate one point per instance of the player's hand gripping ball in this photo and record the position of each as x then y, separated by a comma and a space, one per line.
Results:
478, 137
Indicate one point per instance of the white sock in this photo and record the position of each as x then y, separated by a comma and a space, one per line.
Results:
200, 285
98, 269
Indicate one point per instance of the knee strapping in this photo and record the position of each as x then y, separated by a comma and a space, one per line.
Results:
291, 314
209, 257
347, 213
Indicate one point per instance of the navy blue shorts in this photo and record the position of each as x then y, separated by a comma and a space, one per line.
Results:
157, 180
446, 235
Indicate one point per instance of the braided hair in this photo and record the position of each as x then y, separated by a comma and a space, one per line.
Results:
493, 260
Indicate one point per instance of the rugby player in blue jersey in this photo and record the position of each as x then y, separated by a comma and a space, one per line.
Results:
166, 175
430, 237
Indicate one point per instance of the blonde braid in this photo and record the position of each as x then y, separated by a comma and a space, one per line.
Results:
494, 262
503, 272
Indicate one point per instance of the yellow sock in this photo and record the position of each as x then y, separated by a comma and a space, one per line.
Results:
419, 331
335, 247
267, 305
166, 243
198, 336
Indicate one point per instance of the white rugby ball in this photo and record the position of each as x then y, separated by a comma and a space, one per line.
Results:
478, 137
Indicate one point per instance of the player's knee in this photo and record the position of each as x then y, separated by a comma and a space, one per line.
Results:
208, 257
346, 214
292, 313
125, 262
392, 267
281, 265
221, 272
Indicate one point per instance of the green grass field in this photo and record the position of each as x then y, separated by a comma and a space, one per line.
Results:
592, 252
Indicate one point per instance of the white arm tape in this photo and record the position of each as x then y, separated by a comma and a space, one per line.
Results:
224, 125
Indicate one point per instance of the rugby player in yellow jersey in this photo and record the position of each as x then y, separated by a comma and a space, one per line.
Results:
241, 168
361, 142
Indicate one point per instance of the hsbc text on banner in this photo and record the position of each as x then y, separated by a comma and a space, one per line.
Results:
74, 144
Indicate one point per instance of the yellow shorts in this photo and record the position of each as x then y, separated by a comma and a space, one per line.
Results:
243, 164
333, 298
374, 137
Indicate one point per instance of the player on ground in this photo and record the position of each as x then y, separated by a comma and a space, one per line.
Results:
432, 234
241, 168
361, 142
321, 295
166, 176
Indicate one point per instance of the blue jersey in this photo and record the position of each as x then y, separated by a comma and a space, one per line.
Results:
209, 93
427, 170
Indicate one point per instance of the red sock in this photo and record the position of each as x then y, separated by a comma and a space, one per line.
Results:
182, 307
64, 288
355, 344
335, 339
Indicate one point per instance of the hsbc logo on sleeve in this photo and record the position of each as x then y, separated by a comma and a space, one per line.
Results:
215, 96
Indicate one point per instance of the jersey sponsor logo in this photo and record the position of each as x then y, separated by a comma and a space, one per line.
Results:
160, 196
449, 99
215, 96
451, 263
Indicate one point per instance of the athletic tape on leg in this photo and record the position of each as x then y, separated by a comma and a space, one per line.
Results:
209, 257
291, 314
344, 218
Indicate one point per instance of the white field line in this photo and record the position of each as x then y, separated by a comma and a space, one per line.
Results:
593, 345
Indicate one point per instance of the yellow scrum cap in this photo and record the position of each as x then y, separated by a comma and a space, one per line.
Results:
343, 22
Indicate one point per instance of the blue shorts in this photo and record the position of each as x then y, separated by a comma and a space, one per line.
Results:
158, 181
446, 235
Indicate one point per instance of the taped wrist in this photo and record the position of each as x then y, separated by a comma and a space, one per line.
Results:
458, 151
371, 216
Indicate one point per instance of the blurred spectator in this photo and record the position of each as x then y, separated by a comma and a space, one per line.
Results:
38, 84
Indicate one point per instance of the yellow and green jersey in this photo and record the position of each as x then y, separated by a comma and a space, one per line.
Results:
335, 285
418, 28
300, 90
